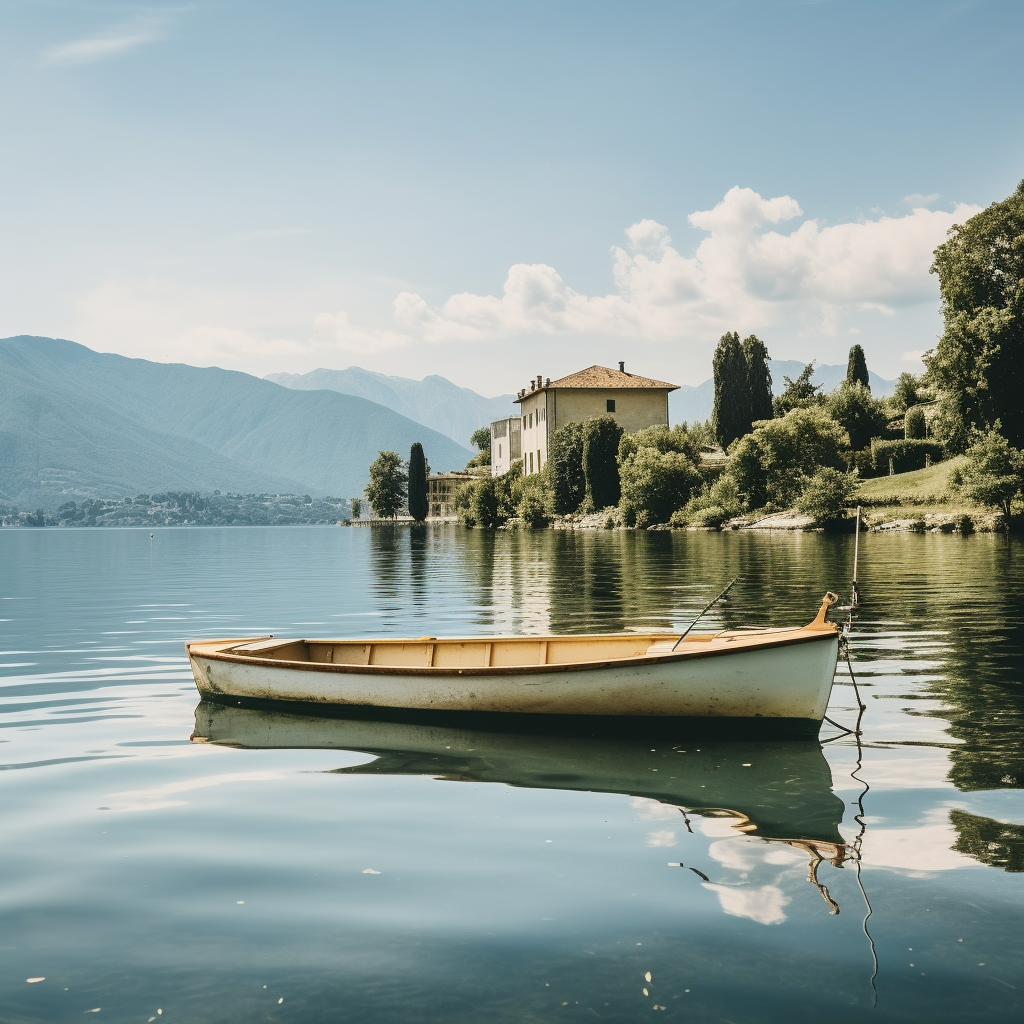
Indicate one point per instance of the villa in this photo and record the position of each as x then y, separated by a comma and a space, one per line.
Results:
635, 402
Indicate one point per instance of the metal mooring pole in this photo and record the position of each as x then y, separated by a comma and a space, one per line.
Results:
855, 596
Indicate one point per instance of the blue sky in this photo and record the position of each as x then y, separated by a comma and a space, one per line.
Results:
492, 191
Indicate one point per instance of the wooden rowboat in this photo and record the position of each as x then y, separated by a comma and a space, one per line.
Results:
778, 674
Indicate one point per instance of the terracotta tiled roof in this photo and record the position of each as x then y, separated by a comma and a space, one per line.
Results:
603, 377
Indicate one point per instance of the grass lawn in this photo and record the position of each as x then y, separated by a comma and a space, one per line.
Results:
925, 492
922, 487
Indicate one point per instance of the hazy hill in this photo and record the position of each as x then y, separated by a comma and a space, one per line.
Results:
77, 422
434, 401
692, 404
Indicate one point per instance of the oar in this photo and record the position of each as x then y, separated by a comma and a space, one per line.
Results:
706, 608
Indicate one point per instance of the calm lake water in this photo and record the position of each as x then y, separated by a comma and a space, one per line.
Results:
285, 869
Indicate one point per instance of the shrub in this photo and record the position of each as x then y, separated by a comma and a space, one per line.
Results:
769, 464
715, 504
654, 485
994, 471
565, 468
489, 502
914, 426
906, 455
827, 494
531, 499
681, 438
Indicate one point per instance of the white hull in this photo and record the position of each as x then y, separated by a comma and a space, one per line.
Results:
787, 674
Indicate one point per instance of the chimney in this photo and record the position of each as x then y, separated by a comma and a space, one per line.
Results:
622, 366
547, 382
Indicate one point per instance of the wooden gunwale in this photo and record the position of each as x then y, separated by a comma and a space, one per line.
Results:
802, 635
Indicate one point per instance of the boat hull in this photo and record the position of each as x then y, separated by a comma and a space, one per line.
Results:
788, 680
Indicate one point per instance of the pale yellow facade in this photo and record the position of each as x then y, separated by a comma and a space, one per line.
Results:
634, 402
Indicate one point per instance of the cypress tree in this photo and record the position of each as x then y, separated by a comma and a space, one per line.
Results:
759, 378
857, 368
418, 506
600, 461
731, 417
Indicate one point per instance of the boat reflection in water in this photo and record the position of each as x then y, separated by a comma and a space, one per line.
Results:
779, 791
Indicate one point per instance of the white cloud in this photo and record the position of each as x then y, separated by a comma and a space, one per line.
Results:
111, 42
743, 275
661, 837
336, 331
763, 904
159, 318
653, 810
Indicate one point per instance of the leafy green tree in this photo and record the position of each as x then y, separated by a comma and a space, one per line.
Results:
601, 439
827, 494
565, 468
914, 425
978, 363
655, 484
994, 471
357, 508
386, 489
798, 393
481, 439
906, 393
857, 368
770, 464
731, 415
489, 501
486, 505
759, 379
853, 408
418, 507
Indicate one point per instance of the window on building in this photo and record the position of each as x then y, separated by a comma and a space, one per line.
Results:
531, 462
610, 405
538, 460
499, 451
524, 423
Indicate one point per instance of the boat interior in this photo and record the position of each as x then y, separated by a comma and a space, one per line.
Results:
494, 652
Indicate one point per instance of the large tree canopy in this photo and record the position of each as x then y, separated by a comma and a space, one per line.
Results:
979, 360
386, 489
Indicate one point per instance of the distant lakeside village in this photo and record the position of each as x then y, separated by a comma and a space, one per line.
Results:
595, 449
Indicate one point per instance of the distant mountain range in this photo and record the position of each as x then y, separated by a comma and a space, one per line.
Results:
75, 424
694, 404
434, 401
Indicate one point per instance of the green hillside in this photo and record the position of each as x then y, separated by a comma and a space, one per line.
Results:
78, 422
